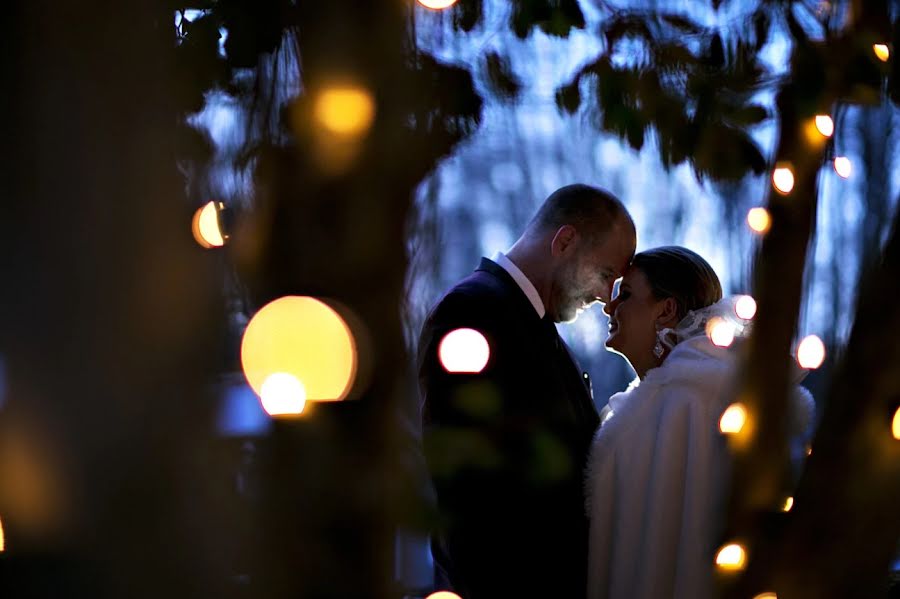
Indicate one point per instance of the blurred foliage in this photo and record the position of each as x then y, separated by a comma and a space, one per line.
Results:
553, 17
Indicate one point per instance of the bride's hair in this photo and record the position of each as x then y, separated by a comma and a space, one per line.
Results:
677, 272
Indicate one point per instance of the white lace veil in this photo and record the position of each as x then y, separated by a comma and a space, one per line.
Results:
699, 322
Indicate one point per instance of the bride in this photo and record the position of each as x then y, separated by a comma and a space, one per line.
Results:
658, 469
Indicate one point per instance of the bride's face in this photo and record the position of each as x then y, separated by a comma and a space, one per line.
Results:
633, 315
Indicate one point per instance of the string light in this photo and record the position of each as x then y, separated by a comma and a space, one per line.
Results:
825, 125
720, 332
783, 179
895, 425
731, 558
437, 5
464, 351
733, 419
2, 538
345, 111
745, 307
443, 595
282, 394
766, 595
759, 220
843, 166
205, 225
788, 504
882, 51
810, 352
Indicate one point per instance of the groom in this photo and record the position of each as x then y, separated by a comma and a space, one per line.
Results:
506, 447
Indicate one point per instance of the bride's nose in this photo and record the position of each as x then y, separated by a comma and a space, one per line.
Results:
610, 306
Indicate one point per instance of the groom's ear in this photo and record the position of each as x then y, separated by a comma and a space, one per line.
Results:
668, 313
564, 240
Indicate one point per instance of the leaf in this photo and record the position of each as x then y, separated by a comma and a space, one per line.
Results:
568, 97
467, 14
626, 26
501, 79
724, 153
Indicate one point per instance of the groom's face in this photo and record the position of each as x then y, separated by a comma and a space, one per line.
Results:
589, 274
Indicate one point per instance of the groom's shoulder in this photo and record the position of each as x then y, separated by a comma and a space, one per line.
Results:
479, 293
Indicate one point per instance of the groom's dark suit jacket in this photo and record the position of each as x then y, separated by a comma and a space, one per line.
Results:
506, 448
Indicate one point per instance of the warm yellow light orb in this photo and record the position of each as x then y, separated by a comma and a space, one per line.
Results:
783, 179
766, 596
843, 166
895, 426
733, 419
882, 51
759, 220
788, 504
304, 338
720, 332
745, 307
443, 595
437, 5
825, 125
731, 557
811, 352
205, 226
282, 394
464, 351
345, 111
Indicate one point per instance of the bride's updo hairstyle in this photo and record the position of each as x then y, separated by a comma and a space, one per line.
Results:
677, 272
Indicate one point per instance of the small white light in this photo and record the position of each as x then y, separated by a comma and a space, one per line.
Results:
745, 307
464, 351
731, 557
783, 179
733, 419
895, 426
882, 51
759, 219
437, 4
788, 504
811, 352
825, 125
443, 595
720, 332
282, 394
843, 166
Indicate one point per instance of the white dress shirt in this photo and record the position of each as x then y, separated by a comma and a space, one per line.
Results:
522, 281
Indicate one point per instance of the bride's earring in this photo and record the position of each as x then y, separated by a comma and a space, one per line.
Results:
659, 348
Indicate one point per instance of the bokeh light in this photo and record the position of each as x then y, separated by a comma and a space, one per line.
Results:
731, 557
733, 418
825, 125
766, 595
720, 332
282, 394
305, 338
464, 351
783, 179
745, 307
205, 225
2, 537
788, 504
437, 5
895, 426
810, 352
842, 166
882, 51
759, 220
443, 595
345, 111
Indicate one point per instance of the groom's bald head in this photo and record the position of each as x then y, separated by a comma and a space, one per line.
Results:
592, 211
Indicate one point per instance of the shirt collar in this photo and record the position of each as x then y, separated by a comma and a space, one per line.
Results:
522, 281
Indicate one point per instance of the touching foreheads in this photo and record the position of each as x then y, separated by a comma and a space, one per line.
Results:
591, 210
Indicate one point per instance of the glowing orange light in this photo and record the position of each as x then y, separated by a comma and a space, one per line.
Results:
2, 538
443, 595
720, 332
464, 350
783, 179
808, 450
745, 307
895, 426
825, 125
205, 226
882, 51
303, 338
759, 220
733, 419
788, 504
731, 557
766, 595
811, 352
843, 166
282, 394
345, 111
437, 5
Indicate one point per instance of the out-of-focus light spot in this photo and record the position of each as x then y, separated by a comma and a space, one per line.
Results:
305, 338
437, 5
205, 226
731, 557
745, 307
2, 538
825, 125
842, 166
788, 504
882, 51
759, 220
766, 596
811, 352
464, 350
443, 595
808, 450
783, 179
895, 425
733, 419
283, 394
720, 332
345, 111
